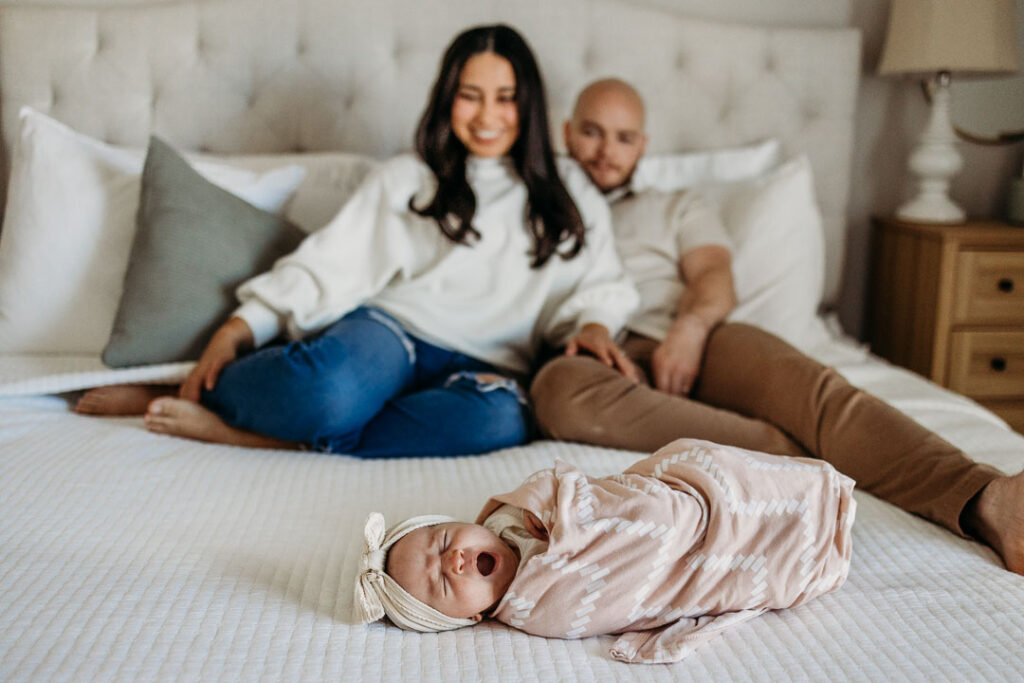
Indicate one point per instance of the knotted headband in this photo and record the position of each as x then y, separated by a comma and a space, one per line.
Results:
377, 594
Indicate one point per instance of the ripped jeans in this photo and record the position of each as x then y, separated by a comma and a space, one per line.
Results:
366, 387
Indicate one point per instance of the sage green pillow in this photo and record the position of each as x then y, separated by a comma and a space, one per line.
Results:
194, 244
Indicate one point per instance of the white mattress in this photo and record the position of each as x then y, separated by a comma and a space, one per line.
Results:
131, 556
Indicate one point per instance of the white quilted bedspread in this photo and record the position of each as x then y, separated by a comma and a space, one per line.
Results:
127, 556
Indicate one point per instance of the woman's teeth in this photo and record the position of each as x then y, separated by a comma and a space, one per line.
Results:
487, 134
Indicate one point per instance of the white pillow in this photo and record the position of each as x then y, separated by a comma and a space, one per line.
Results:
672, 172
779, 253
773, 219
68, 228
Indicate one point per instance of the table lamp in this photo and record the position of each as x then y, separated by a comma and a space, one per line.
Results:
935, 39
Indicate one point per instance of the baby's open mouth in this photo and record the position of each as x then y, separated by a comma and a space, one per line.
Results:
485, 563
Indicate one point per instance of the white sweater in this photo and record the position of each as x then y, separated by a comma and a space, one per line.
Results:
482, 300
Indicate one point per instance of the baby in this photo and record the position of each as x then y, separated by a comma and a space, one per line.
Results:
682, 544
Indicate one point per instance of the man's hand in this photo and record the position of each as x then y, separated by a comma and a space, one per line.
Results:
709, 296
675, 364
596, 339
226, 343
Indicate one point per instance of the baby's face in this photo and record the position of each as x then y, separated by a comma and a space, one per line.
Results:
458, 569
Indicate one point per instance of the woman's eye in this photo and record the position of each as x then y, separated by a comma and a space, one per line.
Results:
468, 96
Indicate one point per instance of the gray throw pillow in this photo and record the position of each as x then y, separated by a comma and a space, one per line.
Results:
194, 244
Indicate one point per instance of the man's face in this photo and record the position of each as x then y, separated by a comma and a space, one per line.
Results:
606, 136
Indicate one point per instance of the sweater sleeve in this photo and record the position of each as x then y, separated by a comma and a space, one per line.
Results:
335, 269
604, 294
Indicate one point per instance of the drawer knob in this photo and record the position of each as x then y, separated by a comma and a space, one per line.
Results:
1005, 285
998, 364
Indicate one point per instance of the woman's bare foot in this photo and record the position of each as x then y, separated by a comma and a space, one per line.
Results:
121, 399
178, 417
998, 519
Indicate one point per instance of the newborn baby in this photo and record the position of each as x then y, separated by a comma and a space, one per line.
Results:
682, 544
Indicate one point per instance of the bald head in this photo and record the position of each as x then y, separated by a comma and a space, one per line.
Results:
606, 132
610, 92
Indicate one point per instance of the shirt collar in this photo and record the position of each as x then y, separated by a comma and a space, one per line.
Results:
624, 191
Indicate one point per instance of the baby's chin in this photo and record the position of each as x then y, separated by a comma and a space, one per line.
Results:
502, 590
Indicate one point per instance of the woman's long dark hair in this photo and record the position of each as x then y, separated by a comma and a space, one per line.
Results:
552, 216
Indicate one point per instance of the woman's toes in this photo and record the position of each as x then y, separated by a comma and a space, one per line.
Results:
119, 399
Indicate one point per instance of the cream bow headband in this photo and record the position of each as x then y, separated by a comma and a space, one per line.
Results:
377, 594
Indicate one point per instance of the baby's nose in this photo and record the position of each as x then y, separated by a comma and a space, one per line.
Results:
456, 561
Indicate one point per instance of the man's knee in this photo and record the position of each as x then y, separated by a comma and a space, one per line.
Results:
560, 379
558, 392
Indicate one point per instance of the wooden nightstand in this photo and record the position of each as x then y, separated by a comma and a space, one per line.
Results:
948, 303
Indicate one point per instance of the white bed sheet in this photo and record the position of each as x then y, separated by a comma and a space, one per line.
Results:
131, 556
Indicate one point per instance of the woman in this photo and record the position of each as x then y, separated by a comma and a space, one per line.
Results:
418, 308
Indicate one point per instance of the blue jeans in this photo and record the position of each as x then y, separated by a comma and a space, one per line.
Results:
366, 387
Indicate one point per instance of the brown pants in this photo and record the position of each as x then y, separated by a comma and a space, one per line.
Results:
757, 392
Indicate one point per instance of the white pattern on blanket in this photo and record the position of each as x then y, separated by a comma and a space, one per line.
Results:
682, 544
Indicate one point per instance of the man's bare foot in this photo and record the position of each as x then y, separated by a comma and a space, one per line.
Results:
998, 519
121, 399
178, 417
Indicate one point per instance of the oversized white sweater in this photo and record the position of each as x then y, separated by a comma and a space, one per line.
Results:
481, 299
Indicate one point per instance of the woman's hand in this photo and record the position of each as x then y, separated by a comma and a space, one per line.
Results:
595, 339
226, 343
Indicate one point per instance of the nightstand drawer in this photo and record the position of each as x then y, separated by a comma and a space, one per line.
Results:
989, 287
987, 364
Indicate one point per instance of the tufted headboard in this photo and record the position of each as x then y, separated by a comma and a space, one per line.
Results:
247, 76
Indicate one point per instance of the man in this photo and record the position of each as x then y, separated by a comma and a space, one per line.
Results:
733, 383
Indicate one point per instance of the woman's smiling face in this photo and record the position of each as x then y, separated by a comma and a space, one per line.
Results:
485, 116
459, 569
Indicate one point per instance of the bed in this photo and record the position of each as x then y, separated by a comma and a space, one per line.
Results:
126, 555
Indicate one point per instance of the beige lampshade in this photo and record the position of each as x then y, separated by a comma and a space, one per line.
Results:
961, 36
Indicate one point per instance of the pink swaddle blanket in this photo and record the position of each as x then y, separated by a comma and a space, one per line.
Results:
684, 543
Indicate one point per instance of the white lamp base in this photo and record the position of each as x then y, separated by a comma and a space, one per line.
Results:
934, 207
934, 161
